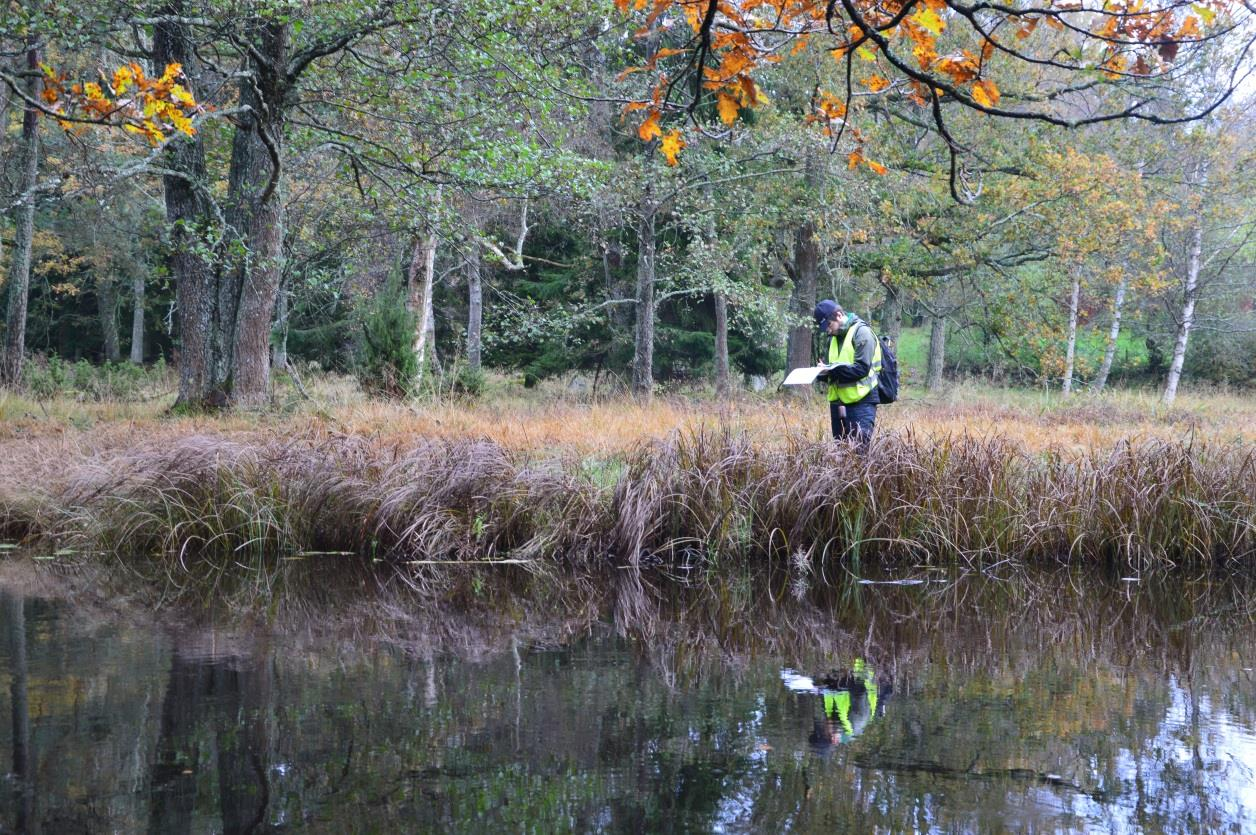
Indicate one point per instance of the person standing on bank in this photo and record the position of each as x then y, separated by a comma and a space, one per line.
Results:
855, 353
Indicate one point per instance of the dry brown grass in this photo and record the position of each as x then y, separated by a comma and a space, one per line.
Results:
978, 475
550, 418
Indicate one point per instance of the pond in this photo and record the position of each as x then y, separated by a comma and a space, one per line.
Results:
1053, 702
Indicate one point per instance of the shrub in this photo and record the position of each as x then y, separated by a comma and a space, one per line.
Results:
469, 381
388, 365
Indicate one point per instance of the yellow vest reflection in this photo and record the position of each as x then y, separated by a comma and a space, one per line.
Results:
851, 700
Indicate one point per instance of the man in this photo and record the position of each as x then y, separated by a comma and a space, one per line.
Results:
853, 380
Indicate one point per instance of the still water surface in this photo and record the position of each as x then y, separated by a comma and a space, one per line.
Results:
1106, 709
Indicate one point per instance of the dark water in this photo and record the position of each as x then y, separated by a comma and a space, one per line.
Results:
1089, 705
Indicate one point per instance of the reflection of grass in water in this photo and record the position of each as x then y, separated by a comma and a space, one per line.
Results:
962, 623
948, 647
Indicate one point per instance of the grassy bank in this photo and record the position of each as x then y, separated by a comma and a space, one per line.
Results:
553, 416
975, 479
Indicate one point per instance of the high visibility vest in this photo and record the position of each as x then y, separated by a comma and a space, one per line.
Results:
845, 355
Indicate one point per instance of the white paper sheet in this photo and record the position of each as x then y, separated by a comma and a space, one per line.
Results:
805, 376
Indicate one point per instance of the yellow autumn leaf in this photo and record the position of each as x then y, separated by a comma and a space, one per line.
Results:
180, 94
929, 19
986, 93
854, 158
728, 108
671, 145
122, 79
650, 128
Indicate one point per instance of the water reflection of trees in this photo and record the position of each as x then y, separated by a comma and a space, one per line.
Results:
1040, 701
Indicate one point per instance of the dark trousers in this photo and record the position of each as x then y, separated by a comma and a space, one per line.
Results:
860, 420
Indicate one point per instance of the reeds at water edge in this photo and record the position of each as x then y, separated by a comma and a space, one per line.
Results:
698, 499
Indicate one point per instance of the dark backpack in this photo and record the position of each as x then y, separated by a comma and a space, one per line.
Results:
887, 380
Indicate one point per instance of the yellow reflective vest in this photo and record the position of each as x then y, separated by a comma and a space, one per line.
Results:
844, 354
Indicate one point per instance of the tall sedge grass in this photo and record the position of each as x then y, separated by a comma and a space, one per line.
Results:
695, 500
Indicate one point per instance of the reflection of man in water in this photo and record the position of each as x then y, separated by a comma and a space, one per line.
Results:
851, 699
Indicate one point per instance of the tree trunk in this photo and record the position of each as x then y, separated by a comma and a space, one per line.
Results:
937, 352
805, 272
6, 96
177, 755
18, 285
1190, 296
250, 342
187, 210
246, 177
242, 689
1109, 353
802, 299
1070, 351
279, 343
475, 308
419, 299
429, 312
107, 304
250, 347
137, 319
723, 384
620, 315
19, 706
892, 314
643, 354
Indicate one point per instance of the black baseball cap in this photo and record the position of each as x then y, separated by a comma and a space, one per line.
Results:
825, 311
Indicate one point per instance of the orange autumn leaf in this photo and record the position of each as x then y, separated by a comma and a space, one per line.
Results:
748, 91
961, 70
1114, 66
1189, 30
875, 166
671, 146
832, 107
650, 129
876, 83
728, 107
854, 158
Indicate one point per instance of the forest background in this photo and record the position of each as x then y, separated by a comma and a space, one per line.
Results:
417, 195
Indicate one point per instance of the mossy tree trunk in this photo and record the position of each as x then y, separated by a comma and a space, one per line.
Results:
937, 352
262, 179
107, 304
643, 344
137, 318
475, 308
804, 270
188, 215
18, 284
